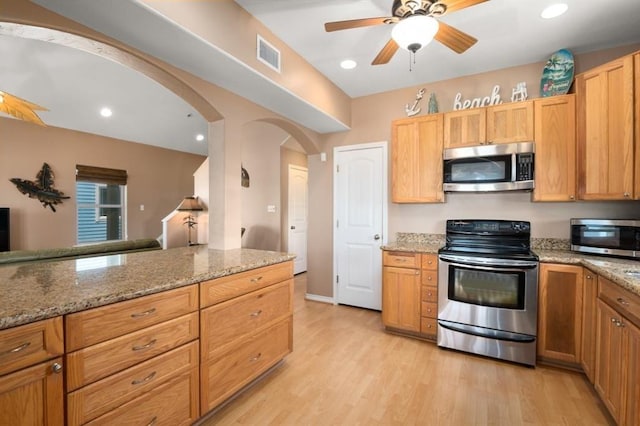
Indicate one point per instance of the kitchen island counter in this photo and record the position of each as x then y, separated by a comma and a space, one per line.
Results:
36, 291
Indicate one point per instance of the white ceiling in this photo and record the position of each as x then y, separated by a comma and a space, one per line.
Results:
510, 32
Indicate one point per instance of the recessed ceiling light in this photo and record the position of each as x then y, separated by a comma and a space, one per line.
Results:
554, 10
348, 64
106, 112
199, 137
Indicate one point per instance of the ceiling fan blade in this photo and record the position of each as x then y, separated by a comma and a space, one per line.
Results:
386, 53
455, 5
356, 23
453, 38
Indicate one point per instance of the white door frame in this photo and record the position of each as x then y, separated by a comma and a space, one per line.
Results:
385, 200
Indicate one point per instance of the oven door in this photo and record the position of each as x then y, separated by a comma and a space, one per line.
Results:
490, 293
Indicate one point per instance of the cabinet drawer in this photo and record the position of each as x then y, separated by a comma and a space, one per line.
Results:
98, 361
429, 326
107, 394
173, 403
429, 278
401, 259
227, 321
228, 373
625, 302
429, 294
429, 310
30, 344
225, 288
430, 262
100, 324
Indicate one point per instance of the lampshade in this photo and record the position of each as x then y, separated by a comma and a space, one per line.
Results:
189, 204
414, 32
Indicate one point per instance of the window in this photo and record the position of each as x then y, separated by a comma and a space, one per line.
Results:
101, 203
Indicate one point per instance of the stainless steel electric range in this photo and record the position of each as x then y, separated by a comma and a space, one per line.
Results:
488, 290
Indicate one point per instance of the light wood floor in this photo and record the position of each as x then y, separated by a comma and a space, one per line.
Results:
345, 370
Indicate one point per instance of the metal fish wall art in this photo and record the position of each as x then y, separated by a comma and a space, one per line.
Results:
42, 188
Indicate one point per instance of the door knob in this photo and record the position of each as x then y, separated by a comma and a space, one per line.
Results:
293, 227
376, 237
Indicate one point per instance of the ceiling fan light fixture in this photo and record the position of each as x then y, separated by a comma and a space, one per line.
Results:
414, 32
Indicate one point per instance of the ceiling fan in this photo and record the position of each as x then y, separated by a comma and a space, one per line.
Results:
415, 26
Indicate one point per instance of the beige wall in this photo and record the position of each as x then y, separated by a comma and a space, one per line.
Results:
371, 118
158, 179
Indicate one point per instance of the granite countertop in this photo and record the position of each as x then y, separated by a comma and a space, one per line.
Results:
624, 272
36, 291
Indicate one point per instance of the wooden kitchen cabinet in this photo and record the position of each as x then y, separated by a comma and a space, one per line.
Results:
510, 122
429, 296
401, 291
416, 159
246, 327
555, 137
465, 127
31, 379
618, 357
605, 104
127, 361
560, 295
589, 323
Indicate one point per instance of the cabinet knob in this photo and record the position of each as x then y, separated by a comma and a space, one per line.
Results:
626, 195
56, 368
572, 197
589, 277
621, 301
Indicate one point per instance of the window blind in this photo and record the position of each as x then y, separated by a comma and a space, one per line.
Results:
101, 175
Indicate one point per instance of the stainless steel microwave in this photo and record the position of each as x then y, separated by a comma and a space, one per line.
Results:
483, 168
613, 237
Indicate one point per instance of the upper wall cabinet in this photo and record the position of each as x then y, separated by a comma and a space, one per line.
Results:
465, 127
555, 131
416, 160
605, 131
512, 122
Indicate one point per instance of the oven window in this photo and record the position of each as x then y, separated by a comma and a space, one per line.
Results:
499, 289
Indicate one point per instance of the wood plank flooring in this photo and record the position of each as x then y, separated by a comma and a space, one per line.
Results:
345, 370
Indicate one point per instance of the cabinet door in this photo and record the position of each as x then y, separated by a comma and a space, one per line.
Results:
609, 360
401, 298
632, 411
465, 127
605, 131
33, 396
589, 324
555, 131
416, 160
511, 122
560, 312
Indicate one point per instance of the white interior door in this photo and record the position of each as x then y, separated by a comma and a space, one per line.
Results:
298, 213
360, 203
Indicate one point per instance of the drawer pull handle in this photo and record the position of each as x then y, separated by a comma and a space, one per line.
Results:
143, 314
257, 279
622, 301
153, 421
147, 346
400, 259
18, 348
255, 358
256, 313
146, 379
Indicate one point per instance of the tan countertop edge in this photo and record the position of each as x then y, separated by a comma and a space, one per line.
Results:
611, 268
41, 290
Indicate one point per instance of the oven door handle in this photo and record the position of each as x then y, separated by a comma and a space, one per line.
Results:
488, 264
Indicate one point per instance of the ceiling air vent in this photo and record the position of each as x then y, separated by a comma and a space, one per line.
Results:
268, 54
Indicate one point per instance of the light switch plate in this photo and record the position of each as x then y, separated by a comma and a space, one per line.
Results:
271, 208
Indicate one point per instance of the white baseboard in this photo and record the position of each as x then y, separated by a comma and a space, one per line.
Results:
317, 298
